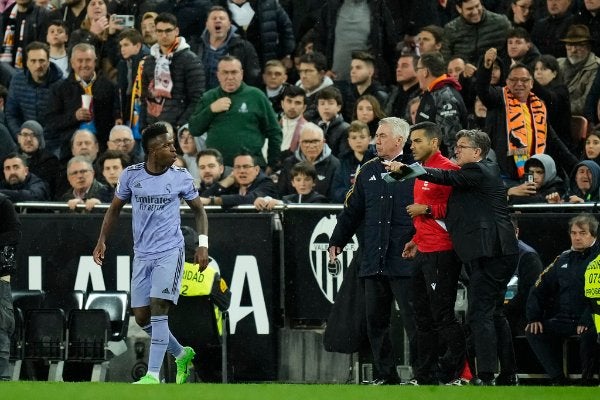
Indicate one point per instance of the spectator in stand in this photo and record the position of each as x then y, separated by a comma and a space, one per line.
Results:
548, 85
292, 120
411, 110
359, 138
315, 150
66, 112
110, 164
148, 28
237, 117
542, 169
368, 110
211, 169
101, 31
406, 88
40, 161
362, 70
441, 102
19, 184
584, 184
21, 24
190, 146
580, 66
71, 13
473, 32
429, 39
243, 186
85, 189
521, 14
589, 15
173, 77
29, 91
57, 38
506, 122
592, 147
121, 139
372, 28
329, 105
520, 49
265, 23
303, 178
312, 69
128, 75
220, 39
275, 82
591, 109
455, 68
548, 31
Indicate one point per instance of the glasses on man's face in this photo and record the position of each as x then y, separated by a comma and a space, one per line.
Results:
462, 147
311, 142
27, 135
122, 141
164, 31
79, 172
243, 167
519, 80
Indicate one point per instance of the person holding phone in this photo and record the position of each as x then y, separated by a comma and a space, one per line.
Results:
540, 180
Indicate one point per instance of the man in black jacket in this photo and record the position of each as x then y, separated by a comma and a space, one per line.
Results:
19, 184
380, 208
479, 224
557, 307
10, 234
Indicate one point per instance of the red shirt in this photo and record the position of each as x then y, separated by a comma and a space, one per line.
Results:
431, 233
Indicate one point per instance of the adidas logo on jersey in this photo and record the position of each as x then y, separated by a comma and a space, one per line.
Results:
166, 291
138, 185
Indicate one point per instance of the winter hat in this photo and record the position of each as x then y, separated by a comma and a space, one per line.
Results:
37, 130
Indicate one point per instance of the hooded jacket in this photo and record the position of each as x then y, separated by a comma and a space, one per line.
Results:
594, 193
551, 184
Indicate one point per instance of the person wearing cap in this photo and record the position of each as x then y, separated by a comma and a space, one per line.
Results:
32, 147
579, 67
29, 91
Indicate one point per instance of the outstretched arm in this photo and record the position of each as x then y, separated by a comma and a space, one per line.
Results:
201, 256
110, 218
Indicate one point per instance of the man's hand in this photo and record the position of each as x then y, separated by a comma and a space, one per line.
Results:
410, 250
265, 203
489, 57
72, 203
205, 201
393, 166
201, 258
524, 189
414, 210
469, 70
333, 253
99, 253
581, 329
534, 327
220, 105
83, 114
554, 198
576, 199
91, 203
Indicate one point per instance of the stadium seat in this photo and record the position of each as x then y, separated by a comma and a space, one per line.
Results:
28, 299
87, 340
194, 322
16, 345
45, 339
117, 306
579, 129
65, 301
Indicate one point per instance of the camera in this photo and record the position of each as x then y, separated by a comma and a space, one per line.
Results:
126, 21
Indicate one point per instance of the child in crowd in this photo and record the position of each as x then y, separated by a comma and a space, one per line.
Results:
329, 105
58, 37
544, 181
358, 140
303, 178
368, 110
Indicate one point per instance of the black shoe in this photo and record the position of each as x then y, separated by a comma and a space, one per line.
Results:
482, 382
380, 382
507, 380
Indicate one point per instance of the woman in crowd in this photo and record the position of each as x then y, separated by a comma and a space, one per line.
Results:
368, 111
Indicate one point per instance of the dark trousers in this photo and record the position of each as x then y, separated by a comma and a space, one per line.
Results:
435, 283
547, 346
7, 326
488, 277
380, 292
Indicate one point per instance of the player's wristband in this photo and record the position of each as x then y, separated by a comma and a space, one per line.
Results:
203, 241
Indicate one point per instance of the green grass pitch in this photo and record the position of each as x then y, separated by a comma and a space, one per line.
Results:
267, 391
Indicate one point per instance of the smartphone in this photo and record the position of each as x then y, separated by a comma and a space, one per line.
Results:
530, 178
126, 21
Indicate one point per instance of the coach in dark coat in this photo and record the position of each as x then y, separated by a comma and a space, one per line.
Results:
479, 224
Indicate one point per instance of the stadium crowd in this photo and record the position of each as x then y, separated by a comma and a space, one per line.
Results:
278, 101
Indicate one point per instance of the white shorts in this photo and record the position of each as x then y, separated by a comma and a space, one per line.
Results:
159, 278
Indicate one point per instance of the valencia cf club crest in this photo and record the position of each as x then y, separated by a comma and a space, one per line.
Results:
319, 258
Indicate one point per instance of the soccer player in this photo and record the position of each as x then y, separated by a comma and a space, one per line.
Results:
154, 188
